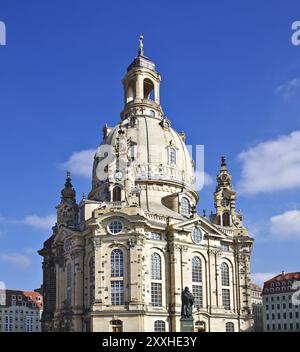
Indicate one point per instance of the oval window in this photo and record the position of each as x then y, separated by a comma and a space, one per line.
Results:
197, 235
115, 227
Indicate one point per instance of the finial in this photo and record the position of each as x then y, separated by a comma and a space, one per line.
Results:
223, 161
141, 45
83, 196
204, 213
68, 180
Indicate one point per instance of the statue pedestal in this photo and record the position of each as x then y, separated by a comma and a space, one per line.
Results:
187, 325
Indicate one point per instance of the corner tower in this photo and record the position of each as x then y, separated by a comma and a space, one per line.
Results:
225, 199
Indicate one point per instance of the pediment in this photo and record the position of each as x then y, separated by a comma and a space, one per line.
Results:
201, 222
62, 233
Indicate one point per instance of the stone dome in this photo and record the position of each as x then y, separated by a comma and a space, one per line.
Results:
143, 155
153, 144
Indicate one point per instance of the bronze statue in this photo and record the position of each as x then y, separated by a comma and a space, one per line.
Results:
187, 300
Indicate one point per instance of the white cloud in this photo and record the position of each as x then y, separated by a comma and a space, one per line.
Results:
271, 166
81, 163
260, 278
20, 260
38, 222
289, 89
29, 250
286, 225
203, 179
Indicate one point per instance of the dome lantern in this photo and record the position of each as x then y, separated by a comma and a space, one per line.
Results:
141, 87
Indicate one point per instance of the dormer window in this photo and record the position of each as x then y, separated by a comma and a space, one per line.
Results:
172, 156
185, 206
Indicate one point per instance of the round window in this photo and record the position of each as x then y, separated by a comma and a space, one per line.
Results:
197, 235
115, 227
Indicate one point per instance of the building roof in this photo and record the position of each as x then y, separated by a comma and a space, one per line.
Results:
255, 287
26, 296
281, 283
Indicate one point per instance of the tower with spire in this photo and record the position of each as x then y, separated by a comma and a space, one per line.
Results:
224, 199
67, 210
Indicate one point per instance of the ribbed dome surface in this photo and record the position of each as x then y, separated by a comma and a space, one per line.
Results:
152, 140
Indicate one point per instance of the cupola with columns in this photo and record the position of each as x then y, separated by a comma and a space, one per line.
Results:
141, 87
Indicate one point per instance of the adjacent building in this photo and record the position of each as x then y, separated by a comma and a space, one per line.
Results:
257, 307
281, 303
20, 311
119, 260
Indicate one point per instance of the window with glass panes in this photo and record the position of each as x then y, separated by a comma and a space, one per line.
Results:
225, 274
155, 236
198, 298
115, 226
159, 326
8, 323
196, 269
117, 292
117, 263
155, 266
156, 294
229, 327
29, 323
172, 156
184, 206
226, 298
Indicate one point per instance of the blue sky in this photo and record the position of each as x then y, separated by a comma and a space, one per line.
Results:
230, 80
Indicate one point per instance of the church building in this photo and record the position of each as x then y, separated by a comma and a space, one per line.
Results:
119, 259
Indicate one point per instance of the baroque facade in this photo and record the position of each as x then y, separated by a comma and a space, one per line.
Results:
119, 260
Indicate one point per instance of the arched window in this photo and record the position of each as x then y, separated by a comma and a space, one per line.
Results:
229, 327
155, 266
226, 219
117, 280
117, 263
159, 326
130, 93
117, 194
172, 156
152, 113
156, 283
148, 89
196, 270
225, 274
197, 282
69, 283
185, 206
225, 286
